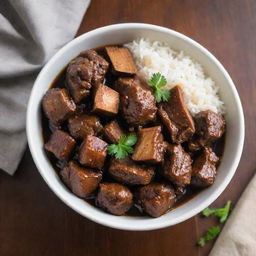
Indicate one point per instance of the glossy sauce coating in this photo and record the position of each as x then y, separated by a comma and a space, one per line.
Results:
111, 79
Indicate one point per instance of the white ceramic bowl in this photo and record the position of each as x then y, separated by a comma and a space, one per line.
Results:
121, 33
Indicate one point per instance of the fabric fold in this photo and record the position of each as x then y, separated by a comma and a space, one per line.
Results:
31, 32
238, 237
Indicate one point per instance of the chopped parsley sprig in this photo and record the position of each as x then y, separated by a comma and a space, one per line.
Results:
221, 213
157, 81
124, 146
211, 233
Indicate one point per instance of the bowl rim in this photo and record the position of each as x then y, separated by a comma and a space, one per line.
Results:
154, 225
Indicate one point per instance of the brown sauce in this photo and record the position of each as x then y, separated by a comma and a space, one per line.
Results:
59, 82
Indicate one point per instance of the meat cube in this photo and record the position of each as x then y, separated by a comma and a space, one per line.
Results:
64, 174
82, 125
138, 104
84, 71
177, 165
113, 131
82, 182
209, 127
114, 198
150, 146
156, 198
93, 152
122, 60
79, 77
61, 145
57, 105
204, 169
128, 172
171, 128
177, 110
106, 101
100, 65
179, 115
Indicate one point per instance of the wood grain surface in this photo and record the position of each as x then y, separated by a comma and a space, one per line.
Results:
33, 221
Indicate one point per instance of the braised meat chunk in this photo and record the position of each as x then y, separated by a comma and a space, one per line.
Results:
83, 182
177, 165
61, 145
180, 124
128, 172
204, 168
138, 104
177, 110
157, 152
106, 101
156, 198
57, 105
93, 152
82, 125
113, 131
114, 198
150, 147
171, 128
209, 127
122, 60
79, 77
83, 72
100, 65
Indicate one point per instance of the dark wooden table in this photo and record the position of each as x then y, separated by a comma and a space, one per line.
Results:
33, 221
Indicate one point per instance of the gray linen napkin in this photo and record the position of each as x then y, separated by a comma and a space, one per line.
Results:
31, 31
238, 237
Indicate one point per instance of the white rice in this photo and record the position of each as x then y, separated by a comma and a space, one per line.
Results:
200, 91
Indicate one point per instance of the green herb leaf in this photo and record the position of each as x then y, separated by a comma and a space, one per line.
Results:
210, 234
124, 146
221, 213
130, 140
162, 95
157, 81
121, 153
208, 211
112, 149
201, 242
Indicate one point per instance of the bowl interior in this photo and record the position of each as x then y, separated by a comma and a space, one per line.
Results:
122, 33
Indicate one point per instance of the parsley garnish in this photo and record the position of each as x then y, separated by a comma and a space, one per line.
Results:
210, 234
157, 81
123, 147
221, 213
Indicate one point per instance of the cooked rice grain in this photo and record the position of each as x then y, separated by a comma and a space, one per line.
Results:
200, 91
